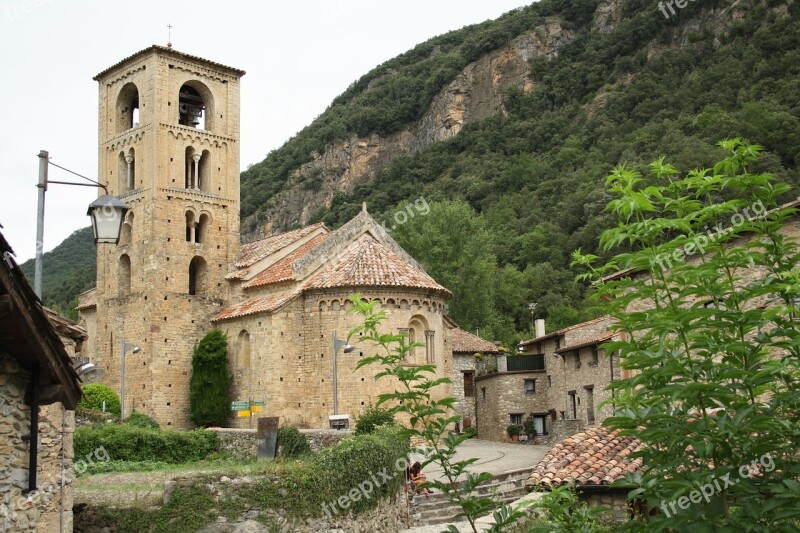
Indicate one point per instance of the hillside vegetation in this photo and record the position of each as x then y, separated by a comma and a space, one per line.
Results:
67, 270
514, 194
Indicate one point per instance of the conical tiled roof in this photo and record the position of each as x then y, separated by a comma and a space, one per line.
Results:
368, 263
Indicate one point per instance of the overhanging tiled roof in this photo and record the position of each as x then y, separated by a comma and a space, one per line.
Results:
465, 342
252, 306
595, 457
588, 342
367, 263
282, 270
254, 251
564, 330
169, 51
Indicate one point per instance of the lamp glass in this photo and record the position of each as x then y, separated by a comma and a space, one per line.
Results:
107, 213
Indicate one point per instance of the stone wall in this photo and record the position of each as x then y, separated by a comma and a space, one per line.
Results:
290, 365
613, 500
561, 429
241, 443
465, 405
499, 395
43, 512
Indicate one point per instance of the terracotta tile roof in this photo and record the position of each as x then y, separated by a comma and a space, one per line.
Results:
87, 300
588, 342
282, 270
565, 330
594, 457
367, 263
465, 342
252, 306
254, 251
170, 51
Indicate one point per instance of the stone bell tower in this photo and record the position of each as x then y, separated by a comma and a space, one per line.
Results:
169, 148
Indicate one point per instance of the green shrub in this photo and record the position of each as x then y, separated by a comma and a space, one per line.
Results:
470, 432
95, 394
141, 420
373, 418
125, 442
209, 386
333, 473
292, 443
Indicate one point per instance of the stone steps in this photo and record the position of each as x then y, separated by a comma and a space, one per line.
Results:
436, 509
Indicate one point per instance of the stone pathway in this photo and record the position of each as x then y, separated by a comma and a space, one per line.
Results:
493, 457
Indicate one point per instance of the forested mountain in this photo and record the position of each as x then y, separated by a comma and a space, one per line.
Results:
67, 270
515, 185
485, 149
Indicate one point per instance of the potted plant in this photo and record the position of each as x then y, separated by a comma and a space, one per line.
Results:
514, 431
529, 427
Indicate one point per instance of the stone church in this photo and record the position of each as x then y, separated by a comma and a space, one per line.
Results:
169, 148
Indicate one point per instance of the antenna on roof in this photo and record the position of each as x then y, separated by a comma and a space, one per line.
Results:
169, 40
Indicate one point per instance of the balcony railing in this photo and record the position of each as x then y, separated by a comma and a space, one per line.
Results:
525, 362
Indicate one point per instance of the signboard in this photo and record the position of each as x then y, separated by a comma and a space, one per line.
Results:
244, 414
267, 438
260, 403
240, 406
256, 408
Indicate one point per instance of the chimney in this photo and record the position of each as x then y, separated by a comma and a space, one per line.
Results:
538, 326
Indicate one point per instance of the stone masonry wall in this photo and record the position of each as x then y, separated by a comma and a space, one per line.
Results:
241, 443
500, 395
290, 365
43, 512
465, 406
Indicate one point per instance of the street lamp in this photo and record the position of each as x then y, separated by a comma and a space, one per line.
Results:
134, 349
107, 214
347, 349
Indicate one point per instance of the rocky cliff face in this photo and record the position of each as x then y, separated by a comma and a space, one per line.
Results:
476, 93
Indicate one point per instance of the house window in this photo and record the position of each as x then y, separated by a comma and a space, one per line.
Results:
197, 276
515, 418
577, 359
483, 392
595, 356
530, 386
243, 360
549, 381
468, 388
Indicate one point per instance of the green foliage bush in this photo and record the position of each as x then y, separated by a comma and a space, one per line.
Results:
333, 473
141, 420
94, 394
209, 386
373, 418
124, 442
292, 443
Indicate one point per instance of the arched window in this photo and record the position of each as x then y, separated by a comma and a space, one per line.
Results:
243, 361
195, 106
190, 226
126, 173
130, 159
127, 113
197, 276
124, 275
418, 332
201, 230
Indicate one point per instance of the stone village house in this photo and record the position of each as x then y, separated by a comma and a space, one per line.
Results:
559, 377
39, 390
169, 148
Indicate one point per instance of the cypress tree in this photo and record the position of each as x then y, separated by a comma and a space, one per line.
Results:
209, 402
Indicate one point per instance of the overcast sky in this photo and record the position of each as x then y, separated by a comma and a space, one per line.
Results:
298, 56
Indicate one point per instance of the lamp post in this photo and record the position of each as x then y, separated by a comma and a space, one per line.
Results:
125, 348
107, 214
347, 349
